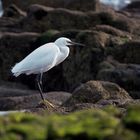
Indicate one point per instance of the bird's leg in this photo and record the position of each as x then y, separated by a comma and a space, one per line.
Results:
40, 80
40, 86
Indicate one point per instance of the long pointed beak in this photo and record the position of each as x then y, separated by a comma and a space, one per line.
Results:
78, 44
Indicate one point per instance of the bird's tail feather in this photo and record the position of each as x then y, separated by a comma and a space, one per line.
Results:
16, 70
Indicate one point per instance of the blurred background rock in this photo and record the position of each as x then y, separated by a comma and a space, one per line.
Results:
111, 37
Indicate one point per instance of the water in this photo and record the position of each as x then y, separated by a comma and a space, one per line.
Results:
3, 113
116, 4
1, 9
9, 112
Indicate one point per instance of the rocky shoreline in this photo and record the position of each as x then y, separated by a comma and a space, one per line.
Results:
111, 53
105, 72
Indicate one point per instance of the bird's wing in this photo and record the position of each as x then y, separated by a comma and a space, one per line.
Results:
43, 57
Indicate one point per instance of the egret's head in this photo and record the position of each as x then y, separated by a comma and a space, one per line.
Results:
63, 41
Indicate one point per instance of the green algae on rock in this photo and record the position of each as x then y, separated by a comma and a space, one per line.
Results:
132, 118
22, 126
95, 91
88, 124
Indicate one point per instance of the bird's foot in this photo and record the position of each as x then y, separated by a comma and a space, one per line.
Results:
47, 105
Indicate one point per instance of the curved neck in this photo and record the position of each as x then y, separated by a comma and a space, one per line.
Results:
63, 48
59, 44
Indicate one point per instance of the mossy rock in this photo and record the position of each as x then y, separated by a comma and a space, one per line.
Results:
95, 91
46, 37
76, 125
22, 126
87, 124
132, 118
82, 125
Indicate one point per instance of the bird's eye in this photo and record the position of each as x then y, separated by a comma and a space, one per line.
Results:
69, 42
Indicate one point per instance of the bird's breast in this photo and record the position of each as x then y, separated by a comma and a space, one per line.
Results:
63, 54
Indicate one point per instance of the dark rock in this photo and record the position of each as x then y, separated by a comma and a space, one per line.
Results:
94, 91
14, 47
111, 30
117, 20
9, 24
116, 41
82, 106
40, 18
91, 55
116, 102
94, 53
131, 49
133, 8
134, 94
97, 45
14, 12
32, 100
9, 89
104, 33
93, 38
82, 5
134, 4
69, 4
126, 75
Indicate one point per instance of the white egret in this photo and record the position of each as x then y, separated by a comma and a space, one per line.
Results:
43, 59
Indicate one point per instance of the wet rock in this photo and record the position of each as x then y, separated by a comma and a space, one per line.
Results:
126, 75
94, 91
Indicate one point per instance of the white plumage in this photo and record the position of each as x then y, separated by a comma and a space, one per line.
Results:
43, 58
